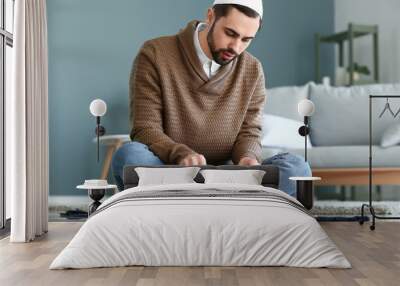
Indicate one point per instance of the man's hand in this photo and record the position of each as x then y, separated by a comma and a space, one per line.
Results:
193, 160
248, 161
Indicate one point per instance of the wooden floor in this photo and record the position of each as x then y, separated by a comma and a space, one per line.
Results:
375, 257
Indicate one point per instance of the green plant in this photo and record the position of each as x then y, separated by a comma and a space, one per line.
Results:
360, 69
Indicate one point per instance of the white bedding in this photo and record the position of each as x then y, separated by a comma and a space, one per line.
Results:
183, 231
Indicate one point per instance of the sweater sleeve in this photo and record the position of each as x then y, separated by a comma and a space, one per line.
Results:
146, 109
248, 141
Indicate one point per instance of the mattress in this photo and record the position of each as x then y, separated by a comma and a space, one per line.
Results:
201, 225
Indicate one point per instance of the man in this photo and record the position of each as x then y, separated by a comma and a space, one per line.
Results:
197, 97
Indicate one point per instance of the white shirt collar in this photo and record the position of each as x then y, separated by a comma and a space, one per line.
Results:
210, 66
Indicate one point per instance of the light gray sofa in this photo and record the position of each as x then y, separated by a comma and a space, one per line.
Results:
340, 130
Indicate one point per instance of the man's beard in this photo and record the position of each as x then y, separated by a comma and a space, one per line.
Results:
216, 54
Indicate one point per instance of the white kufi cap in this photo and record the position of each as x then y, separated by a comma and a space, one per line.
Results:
255, 5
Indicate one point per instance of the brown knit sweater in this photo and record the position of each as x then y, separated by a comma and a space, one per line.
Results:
177, 110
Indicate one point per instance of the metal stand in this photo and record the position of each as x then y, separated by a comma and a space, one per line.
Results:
305, 190
96, 195
305, 193
370, 206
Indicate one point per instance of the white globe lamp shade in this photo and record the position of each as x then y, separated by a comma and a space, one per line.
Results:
98, 107
306, 107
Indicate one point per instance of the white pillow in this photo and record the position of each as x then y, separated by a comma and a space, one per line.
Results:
282, 132
166, 176
248, 177
282, 101
391, 136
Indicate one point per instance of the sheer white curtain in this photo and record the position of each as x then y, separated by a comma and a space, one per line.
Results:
27, 121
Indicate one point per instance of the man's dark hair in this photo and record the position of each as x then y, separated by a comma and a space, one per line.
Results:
221, 10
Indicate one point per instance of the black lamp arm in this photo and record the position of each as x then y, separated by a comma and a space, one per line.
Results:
99, 131
304, 131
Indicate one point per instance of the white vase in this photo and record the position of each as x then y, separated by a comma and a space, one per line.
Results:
356, 77
342, 76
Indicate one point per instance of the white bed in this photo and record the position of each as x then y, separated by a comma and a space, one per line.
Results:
220, 225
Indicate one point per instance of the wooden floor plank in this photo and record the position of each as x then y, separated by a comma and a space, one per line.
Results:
375, 257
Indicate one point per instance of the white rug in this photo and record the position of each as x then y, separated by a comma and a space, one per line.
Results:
354, 208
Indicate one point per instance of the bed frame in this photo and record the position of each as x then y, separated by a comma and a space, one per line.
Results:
270, 179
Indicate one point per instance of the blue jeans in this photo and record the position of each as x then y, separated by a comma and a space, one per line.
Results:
290, 165
135, 153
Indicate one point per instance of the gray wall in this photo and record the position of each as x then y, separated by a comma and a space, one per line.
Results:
92, 44
385, 14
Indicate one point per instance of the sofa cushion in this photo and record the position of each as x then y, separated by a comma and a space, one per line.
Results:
391, 136
282, 101
268, 152
346, 156
282, 132
341, 114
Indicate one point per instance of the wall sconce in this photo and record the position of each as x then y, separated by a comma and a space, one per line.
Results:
305, 108
98, 108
